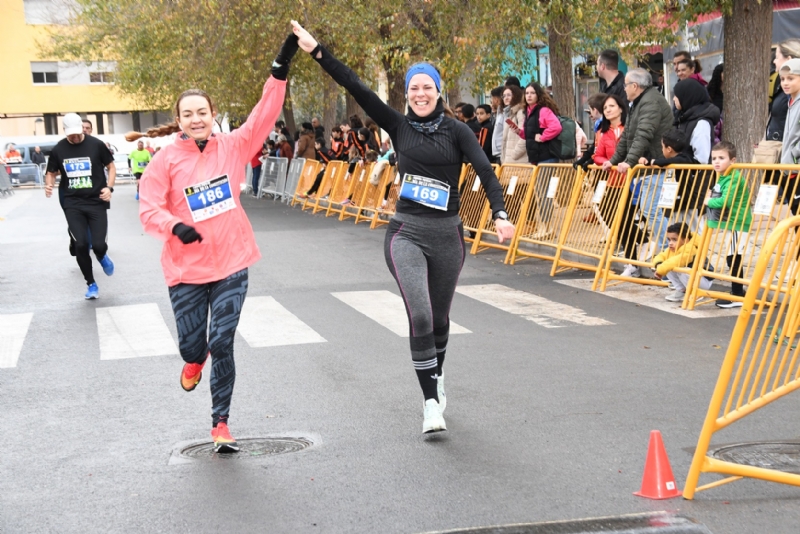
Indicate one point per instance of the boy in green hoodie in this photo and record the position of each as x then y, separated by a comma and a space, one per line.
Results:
728, 208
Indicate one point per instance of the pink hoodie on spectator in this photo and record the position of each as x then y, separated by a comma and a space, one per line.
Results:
228, 244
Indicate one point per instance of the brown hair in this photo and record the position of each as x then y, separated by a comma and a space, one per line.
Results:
544, 99
790, 48
171, 127
597, 101
447, 111
516, 94
725, 146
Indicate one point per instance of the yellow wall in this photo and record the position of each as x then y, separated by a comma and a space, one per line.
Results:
18, 94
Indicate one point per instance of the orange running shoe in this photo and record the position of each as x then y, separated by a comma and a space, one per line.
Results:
191, 374
223, 441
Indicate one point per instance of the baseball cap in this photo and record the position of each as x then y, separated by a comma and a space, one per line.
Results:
793, 66
73, 124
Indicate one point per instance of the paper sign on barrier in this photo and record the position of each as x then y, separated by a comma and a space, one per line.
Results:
669, 192
512, 185
476, 184
271, 166
765, 201
599, 192
361, 178
552, 188
397, 179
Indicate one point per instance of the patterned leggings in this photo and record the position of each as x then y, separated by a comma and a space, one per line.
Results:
197, 336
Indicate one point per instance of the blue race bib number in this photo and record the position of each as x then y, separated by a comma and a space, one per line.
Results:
209, 199
78, 167
426, 191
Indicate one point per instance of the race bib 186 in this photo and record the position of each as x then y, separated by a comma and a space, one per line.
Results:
209, 199
426, 191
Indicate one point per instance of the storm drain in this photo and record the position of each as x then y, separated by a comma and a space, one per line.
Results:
249, 448
649, 523
779, 455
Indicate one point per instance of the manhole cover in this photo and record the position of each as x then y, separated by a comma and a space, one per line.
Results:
248, 448
779, 455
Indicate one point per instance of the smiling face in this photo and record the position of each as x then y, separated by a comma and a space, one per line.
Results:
196, 117
422, 95
790, 83
531, 97
683, 71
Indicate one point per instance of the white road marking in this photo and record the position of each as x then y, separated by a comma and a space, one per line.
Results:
652, 297
532, 307
133, 331
13, 329
265, 323
386, 309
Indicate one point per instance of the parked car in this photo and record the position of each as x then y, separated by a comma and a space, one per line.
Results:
121, 163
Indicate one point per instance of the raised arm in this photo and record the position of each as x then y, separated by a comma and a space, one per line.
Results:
386, 117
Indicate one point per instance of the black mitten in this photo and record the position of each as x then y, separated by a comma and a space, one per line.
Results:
280, 67
187, 234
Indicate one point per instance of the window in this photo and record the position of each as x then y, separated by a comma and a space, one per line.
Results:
44, 72
101, 77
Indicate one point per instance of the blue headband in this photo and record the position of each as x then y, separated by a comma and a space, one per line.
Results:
424, 68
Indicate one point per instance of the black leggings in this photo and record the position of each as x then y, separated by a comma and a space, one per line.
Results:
83, 218
425, 256
197, 337
317, 183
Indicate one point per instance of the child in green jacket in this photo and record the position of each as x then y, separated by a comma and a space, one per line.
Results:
728, 208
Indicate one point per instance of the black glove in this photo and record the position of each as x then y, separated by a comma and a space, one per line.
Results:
187, 234
280, 67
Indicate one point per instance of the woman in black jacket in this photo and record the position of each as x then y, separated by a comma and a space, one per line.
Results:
424, 244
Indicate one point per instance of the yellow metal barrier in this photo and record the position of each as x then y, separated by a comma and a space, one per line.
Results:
358, 190
730, 252
373, 195
547, 212
342, 189
761, 364
517, 182
320, 201
473, 201
656, 198
588, 225
310, 170
388, 204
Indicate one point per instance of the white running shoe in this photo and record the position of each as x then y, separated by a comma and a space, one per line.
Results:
440, 392
631, 271
676, 296
433, 421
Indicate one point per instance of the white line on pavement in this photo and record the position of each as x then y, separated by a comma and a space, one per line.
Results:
386, 309
265, 323
652, 297
13, 329
532, 307
133, 331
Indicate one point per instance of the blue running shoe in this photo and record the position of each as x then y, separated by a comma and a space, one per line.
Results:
92, 291
137, 195
108, 265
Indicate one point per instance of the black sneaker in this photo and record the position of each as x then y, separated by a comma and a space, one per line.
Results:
721, 303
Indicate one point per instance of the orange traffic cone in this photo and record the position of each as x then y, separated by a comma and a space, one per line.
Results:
658, 481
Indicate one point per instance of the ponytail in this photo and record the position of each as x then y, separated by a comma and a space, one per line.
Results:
157, 131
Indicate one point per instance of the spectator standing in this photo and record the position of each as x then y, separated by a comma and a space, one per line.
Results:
514, 117
499, 121
319, 129
284, 149
542, 126
649, 118
612, 81
13, 155
468, 114
615, 113
785, 51
376, 131
697, 117
714, 87
305, 144
87, 127
37, 158
276, 131
484, 116
690, 68
337, 144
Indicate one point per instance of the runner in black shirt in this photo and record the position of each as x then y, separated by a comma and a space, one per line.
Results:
86, 194
424, 245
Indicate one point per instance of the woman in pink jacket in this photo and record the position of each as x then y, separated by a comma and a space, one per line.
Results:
190, 200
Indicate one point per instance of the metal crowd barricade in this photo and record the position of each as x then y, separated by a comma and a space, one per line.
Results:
761, 365
388, 204
358, 191
587, 228
24, 173
333, 171
5, 182
517, 182
730, 252
307, 177
273, 171
473, 201
547, 214
292, 178
655, 198
373, 197
342, 190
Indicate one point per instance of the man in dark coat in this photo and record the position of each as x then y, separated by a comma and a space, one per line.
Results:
612, 81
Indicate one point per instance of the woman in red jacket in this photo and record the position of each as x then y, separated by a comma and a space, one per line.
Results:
190, 201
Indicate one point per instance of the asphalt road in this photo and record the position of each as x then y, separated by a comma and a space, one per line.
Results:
543, 423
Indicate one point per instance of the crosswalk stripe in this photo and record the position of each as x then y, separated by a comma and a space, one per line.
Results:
13, 329
386, 309
265, 323
532, 307
133, 331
